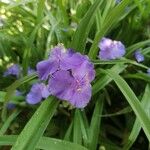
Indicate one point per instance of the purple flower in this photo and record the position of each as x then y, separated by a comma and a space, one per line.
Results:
13, 70
11, 106
138, 56
110, 49
76, 91
30, 71
59, 59
37, 92
85, 70
69, 75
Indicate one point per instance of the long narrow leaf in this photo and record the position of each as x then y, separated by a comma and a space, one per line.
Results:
95, 124
132, 100
35, 127
12, 88
81, 34
105, 79
112, 17
44, 143
137, 126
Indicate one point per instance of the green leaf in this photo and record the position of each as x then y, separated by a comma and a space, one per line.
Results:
112, 17
67, 136
120, 61
36, 126
137, 126
2, 96
105, 79
9, 121
95, 124
16, 84
44, 143
77, 135
125, 110
134, 47
81, 34
40, 10
132, 100
11, 89
141, 76
84, 128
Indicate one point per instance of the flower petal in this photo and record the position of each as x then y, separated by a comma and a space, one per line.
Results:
73, 61
60, 84
45, 68
81, 97
44, 91
85, 70
33, 98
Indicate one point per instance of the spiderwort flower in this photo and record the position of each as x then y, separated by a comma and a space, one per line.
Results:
64, 86
37, 92
110, 49
69, 75
13, 70
138, 56
59, 59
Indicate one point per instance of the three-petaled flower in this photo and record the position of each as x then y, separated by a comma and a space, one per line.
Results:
69, 75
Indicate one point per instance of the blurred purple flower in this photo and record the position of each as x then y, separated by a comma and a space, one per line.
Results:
37, 92
18, 93
13, 70
10, 105
110, 49
118, 1
69, 75
138, 56
30, 71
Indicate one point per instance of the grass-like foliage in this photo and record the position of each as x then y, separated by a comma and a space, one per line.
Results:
118, 114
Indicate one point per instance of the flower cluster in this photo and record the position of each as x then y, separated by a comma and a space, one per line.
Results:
69, 76
13, 70
110, 49
16, 70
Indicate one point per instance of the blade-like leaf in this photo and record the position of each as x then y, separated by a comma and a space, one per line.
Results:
81, 34
105, 79
9, 121
137, 126
44, 143
36, 126
134, 47
132, 100
12, 88
111, 18
77, 136
95, 124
